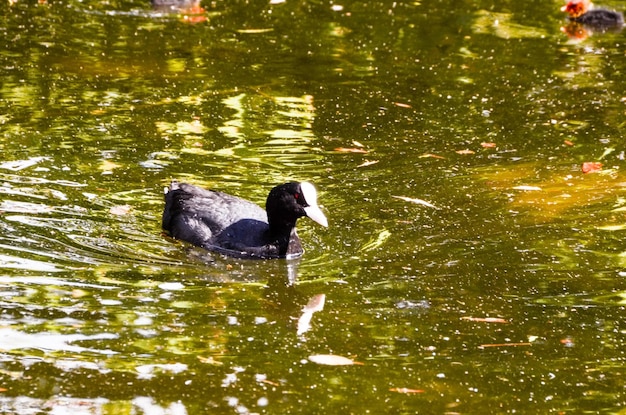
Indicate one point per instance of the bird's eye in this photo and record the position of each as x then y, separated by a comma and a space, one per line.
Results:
296, 195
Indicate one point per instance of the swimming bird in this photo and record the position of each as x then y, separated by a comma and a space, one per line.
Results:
233, 226
583, 11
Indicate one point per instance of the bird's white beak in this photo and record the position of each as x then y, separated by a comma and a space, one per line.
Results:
315, 213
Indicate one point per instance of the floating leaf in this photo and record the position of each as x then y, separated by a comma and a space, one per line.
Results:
209, 360
171, 286
528, 188
607, 151
416, 201
488, 145
466, 151
612, 227
382, 237
194, 14
367, 163
332, 360
351, 150
407, 391
254, 31
591, 167
434, 156
485, 319
401, 105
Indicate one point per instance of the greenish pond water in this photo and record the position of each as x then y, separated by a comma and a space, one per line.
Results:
470, 265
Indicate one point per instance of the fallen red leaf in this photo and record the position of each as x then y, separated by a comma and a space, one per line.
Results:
488, 145
592, 166
401, 105
195, 14
485, 319
568, 143
406, 390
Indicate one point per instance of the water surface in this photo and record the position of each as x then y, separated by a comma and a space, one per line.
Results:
470, 265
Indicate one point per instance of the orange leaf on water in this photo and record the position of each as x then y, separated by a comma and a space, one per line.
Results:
488, 145
466, 151
195, 14
485, 319
401, 105
406, 390
592, 166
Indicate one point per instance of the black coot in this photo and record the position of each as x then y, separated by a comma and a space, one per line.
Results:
237, 227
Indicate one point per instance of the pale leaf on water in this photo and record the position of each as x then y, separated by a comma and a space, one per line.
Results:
527, 188
429, 155
607, 151
416, 201
367, 163
373, 244
254, 31
209, 360
332, 360
171, 286
613, 227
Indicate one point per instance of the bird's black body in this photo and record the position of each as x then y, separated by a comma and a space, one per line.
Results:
237, 227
